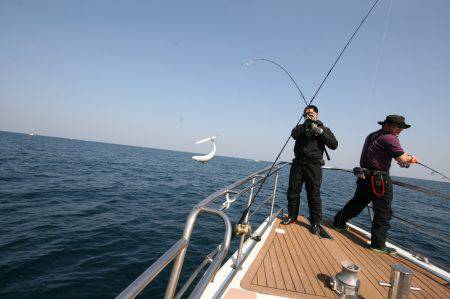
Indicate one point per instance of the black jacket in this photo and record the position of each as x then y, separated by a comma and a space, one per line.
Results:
309, 147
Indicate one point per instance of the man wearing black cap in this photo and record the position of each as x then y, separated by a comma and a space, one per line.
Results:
374, 183
311, 137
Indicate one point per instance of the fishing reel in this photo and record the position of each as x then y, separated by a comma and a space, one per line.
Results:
311, 128
242, 229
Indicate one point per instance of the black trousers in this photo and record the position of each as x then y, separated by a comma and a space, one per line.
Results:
381, 206
311, 175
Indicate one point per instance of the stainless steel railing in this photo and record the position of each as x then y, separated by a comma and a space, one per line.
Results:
178, 251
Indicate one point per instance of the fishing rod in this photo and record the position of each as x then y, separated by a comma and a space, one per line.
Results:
245, 213
402, 184
284, 69
433, 171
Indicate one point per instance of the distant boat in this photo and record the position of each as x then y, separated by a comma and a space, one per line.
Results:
32, 134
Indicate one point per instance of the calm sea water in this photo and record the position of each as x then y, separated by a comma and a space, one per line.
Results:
84, 219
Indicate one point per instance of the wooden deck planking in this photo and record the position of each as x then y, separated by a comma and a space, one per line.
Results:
291, 265
301, 271
320, 251
378, 271
366, 266
309, 261
420, 277
298, 264
276, 269
380, 264
261, 276
367, 287
284, 267
269, 271
322, 269
422, 280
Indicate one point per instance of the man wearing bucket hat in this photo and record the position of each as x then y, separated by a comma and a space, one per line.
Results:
374, 183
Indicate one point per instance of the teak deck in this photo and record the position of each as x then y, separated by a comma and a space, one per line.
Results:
298, 264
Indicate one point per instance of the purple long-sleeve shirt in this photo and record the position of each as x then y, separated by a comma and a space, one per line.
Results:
379, 149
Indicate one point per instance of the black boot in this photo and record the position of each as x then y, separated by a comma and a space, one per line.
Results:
315, 229
337, 225
384, 249
288, 220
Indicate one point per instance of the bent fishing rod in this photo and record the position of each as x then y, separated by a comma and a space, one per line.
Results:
295, 83
284, 69
245, 212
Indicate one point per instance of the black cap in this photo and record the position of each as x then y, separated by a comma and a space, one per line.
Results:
311, 107
396, 120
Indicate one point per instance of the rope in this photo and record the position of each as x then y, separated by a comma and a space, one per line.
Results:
312, 99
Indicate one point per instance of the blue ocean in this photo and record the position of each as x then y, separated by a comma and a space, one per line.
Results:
83, 219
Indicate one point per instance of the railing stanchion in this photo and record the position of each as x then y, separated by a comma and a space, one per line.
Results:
241, 243
178, 264
274, 191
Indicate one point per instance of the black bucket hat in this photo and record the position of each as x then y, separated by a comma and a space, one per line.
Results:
396, 120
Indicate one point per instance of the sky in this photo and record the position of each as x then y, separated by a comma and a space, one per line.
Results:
165, 74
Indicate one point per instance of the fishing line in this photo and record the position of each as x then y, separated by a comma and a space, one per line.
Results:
243, 216
433, 170
343, 50
380, 55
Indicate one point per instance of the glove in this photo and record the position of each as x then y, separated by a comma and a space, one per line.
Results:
316, 129
404, 164
308, 122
